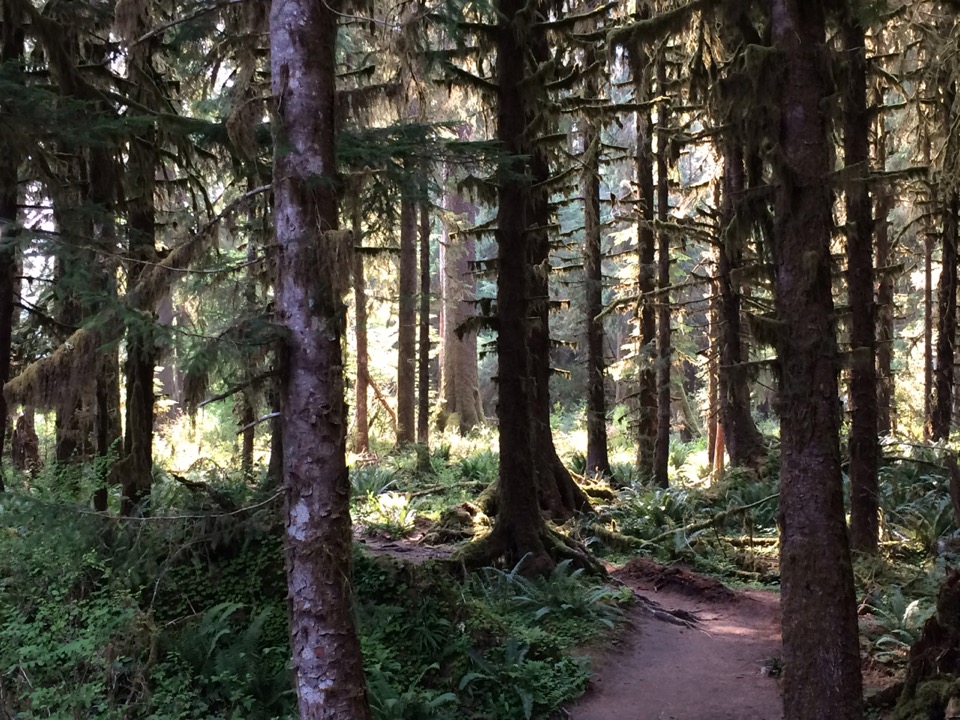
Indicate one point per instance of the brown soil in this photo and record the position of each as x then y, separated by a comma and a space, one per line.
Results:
719, 669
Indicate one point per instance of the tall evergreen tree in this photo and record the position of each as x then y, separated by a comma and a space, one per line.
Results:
819, 605
315, 259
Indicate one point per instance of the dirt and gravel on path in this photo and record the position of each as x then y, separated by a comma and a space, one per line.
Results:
694, 650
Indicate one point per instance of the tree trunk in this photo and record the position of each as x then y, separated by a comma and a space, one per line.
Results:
407, 331
313, 276
361, 432
946, 325
819, 620
885, 301
743, 440
11, 55
459, 379
423, 364
598, 461
661, 455
864, 446
712, 363
647, 390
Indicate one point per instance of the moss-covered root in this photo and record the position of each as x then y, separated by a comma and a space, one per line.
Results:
537, 554
929, 701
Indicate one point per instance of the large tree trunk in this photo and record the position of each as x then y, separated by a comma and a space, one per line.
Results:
361, 432
743, 440
819, 623
598, 461
423, 362
11, 54
459, 378
946, 325
864, 446
647, 390
407, 330
661, 455
313, 276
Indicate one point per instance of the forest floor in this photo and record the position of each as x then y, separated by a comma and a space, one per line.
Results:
720, 665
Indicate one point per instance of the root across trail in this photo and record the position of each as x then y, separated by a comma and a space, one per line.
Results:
695, 650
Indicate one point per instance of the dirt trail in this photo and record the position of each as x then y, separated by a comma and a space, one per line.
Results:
717, 670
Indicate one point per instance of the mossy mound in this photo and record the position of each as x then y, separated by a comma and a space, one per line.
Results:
460, 522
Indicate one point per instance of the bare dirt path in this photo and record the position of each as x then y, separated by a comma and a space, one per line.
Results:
719, 669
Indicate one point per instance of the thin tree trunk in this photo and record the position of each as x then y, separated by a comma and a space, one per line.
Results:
712, 364
819, 619
407, 331
313, 276
928, 243
361, 436
11, 54
743, 440
885, 303
459, 378
647, 392
864, 446
598, 461
661, 455
946, 326
423, 364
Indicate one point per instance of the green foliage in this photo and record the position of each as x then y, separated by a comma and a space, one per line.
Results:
894, 623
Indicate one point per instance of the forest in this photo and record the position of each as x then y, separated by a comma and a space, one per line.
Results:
479, 359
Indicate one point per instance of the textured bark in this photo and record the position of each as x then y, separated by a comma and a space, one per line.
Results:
647, 391
313, 276
927, 338
598, 461
946, 325
743, 440
713, 386
11, 53
864, 445
661, 455
423, 362
819, 624
885, 303
519, 528
137, 472
459, 378
361, 433
407, 330
247, 421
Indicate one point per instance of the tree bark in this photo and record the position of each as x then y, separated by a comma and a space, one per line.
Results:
743, 440
407, 330
885, 301
11, 54
946, 325
598, 461
863, 442
661, 455
459, 378
313, 276
819, 623
646, 423
423, 363
361, 433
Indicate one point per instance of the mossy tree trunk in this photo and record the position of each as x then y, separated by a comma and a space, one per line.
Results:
819, 624
361, 431
863, 442
598, 461
407, 316
743, 440
646, 400
459, 377
661, 455
423, 346
11, 55
942, 412
313, 277
885, 297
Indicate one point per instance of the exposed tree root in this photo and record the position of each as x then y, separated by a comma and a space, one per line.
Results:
536, 551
